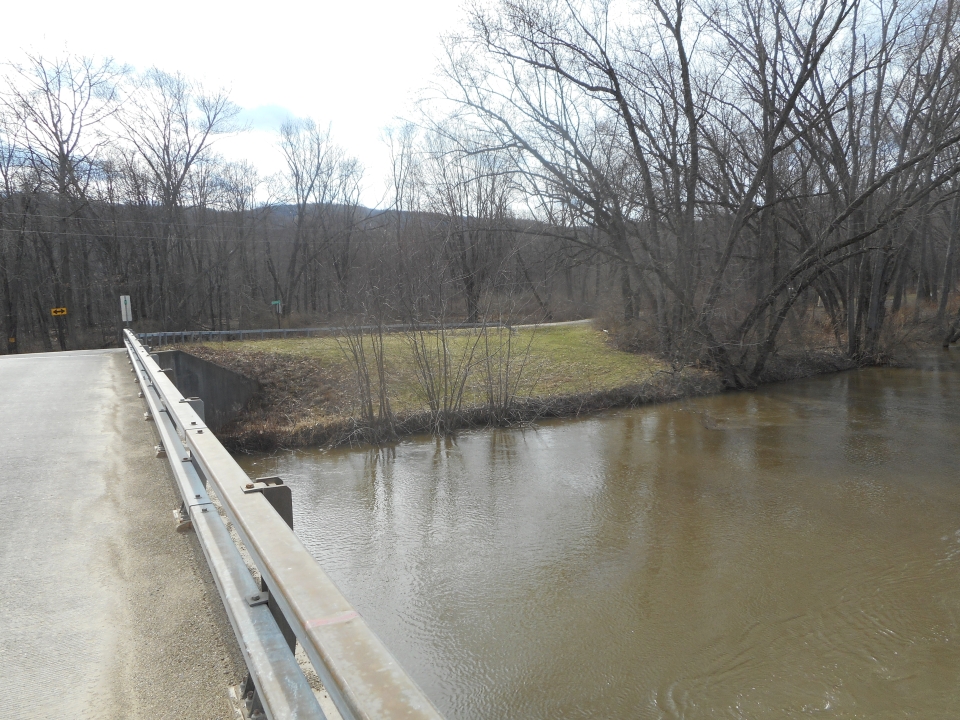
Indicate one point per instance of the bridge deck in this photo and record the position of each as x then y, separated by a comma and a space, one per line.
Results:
106, 611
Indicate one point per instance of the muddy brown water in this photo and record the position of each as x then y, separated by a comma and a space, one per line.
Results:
787, 552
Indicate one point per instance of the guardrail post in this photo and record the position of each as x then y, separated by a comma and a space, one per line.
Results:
280, 497
197, 405
276, 493
171, 375
251, 699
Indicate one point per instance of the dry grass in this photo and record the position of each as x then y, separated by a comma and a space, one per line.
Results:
309, 394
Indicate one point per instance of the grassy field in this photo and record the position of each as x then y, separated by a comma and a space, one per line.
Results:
310, 392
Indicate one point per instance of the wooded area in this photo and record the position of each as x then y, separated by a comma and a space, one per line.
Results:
111, 186
707, 172
741, 161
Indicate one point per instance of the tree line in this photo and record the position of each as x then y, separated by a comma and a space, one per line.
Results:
710, 172
111, 185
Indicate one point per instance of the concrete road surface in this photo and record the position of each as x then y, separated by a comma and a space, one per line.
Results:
105, 610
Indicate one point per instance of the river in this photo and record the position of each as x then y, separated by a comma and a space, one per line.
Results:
779, 553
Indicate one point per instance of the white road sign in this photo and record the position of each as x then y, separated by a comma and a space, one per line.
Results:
125, 310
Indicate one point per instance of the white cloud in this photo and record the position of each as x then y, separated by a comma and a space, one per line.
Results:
354, 65
264, 117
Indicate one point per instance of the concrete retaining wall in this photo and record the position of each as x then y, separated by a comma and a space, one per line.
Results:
224, 392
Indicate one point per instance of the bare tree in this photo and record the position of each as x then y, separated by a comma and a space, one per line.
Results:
61, 106
322, 185
471, 190
703, 147
171, 122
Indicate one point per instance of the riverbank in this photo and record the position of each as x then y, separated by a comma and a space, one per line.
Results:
314, 391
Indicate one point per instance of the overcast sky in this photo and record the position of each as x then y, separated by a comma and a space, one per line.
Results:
354, 64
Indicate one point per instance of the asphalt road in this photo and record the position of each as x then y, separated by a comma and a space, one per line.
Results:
105, 610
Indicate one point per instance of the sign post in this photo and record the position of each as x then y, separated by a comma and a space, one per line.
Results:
59, 313
279, 305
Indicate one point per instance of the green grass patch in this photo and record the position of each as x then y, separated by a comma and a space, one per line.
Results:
311, 382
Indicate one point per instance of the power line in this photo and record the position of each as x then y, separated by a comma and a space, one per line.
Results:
357, 235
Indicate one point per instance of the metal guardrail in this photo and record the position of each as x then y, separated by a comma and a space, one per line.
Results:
361, 676
185, 336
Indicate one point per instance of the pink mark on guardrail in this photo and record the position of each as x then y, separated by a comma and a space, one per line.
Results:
332, 620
